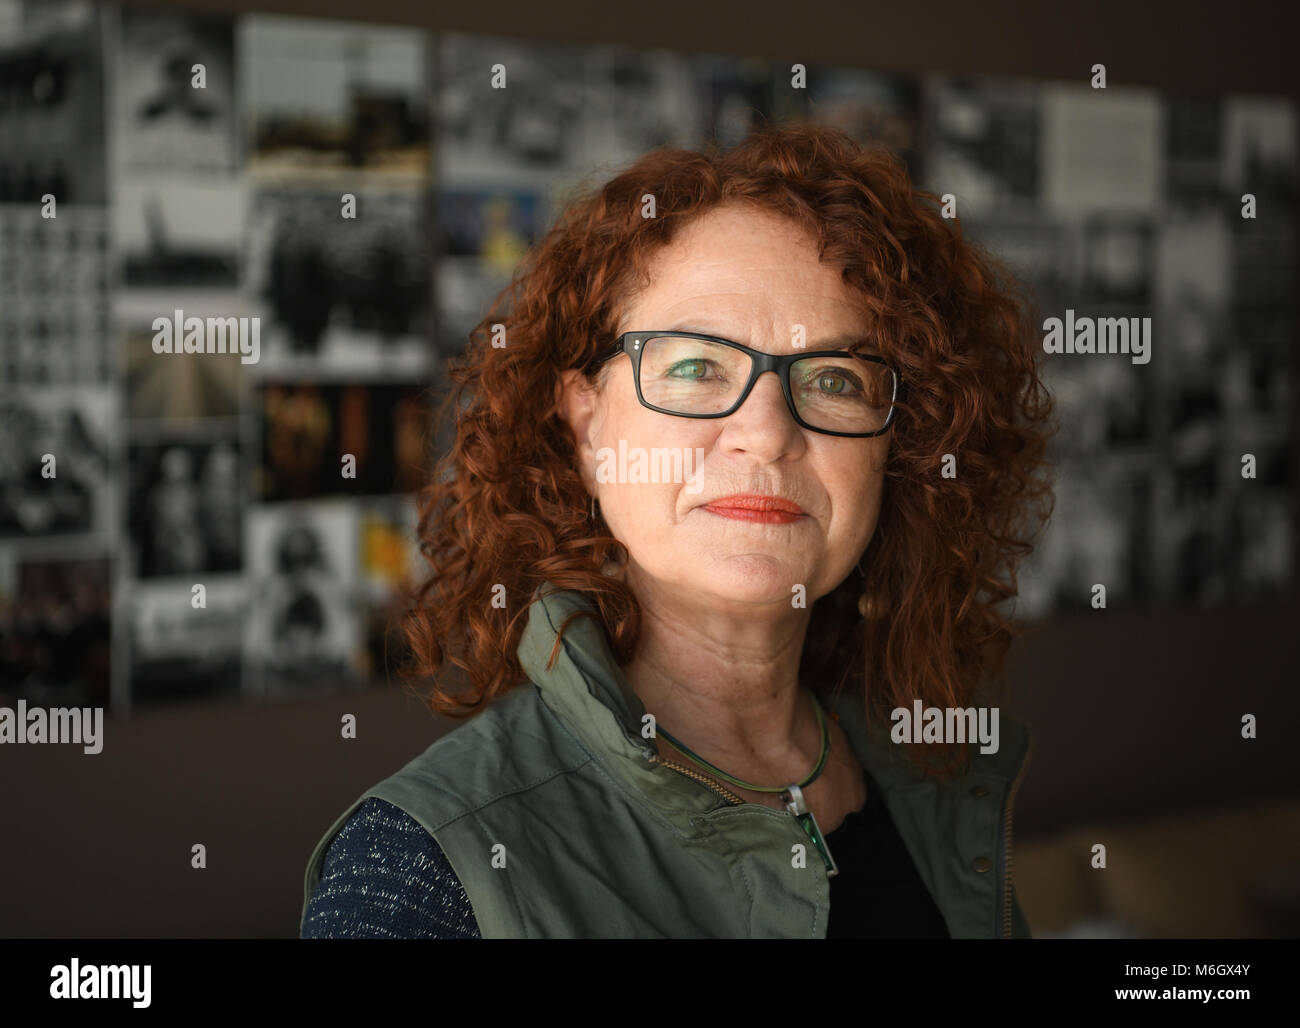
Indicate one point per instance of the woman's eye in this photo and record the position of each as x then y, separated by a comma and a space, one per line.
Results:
835, 383
690, 369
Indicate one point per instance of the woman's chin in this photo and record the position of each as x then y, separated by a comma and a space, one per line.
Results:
748, 578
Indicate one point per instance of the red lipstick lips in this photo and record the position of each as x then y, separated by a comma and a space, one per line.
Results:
770, 510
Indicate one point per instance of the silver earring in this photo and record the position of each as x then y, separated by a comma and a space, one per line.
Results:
593, 508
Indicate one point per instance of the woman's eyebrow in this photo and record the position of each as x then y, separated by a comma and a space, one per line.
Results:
846, 341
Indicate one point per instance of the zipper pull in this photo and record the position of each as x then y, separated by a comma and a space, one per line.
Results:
794, 802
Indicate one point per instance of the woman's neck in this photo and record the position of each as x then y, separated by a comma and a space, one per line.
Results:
727, 687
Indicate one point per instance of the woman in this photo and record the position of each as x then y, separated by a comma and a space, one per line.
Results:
690, 594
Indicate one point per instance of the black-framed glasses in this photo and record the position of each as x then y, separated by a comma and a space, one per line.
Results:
689, 375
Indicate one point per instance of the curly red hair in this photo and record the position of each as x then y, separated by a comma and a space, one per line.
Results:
508, 507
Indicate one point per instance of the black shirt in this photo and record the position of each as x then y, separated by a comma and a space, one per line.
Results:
878, 893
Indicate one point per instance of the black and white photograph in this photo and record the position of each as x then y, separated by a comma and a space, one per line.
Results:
54, 298
466, 290
1106, 405
1102, 150
52, 119
341, 295
176, 106
1260, 141
1266, 377
335, 100
984, 143
54, 258
186, 507
179, 232
1041, 251
180, 651
180, 388
637, 100
1106, 542
60, 469
303, 630
1116, 264
507, 110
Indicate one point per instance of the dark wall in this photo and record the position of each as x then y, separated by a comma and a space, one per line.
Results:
1183, 45
1134, 713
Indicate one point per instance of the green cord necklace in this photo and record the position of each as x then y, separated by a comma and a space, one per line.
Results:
791, 795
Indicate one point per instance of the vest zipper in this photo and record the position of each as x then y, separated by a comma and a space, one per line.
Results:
1010, 816
802, 816
725, 793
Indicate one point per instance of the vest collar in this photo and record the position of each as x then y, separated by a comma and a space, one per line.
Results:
584, 684
587, 689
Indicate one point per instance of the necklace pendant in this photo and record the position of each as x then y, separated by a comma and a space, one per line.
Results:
794, 802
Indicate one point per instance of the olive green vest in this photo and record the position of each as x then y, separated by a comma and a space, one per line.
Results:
558, 825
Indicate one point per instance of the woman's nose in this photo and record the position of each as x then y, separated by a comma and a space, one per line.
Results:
767, 396
763, 421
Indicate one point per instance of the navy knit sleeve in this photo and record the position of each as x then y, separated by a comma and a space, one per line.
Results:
384, 877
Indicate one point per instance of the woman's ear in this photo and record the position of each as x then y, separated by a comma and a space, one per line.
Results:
575, 402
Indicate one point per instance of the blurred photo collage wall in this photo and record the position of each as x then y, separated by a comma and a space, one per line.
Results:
228, 201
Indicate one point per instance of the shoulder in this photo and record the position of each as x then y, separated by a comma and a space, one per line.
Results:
516, 744
384, 876
429, 813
